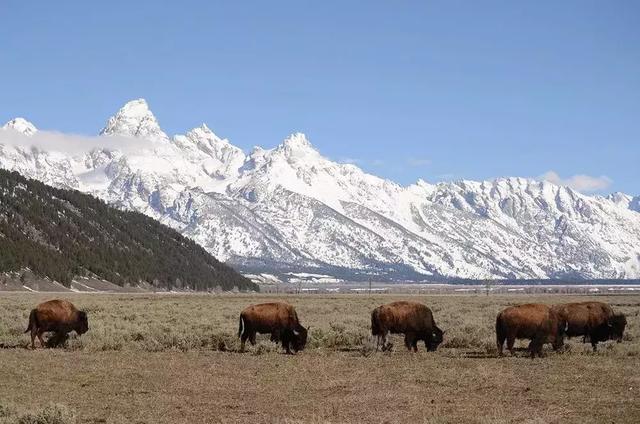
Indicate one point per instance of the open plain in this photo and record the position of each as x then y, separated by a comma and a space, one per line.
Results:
169, 358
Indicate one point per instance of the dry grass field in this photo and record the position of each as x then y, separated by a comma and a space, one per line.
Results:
173, 358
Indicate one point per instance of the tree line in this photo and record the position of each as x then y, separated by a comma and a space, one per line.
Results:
61, 234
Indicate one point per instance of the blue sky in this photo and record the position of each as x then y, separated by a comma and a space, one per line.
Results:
407, 90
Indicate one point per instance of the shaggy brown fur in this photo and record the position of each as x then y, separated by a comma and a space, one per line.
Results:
58, 316
593, 320
536, 322
280, 320
412, 319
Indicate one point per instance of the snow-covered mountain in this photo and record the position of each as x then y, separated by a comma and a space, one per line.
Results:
20, 125
289, 210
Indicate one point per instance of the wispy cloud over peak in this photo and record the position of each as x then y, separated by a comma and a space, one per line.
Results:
579, 182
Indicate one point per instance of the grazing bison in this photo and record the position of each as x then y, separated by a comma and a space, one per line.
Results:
536, 322
278, 319
593, 320
58, 316
412, 319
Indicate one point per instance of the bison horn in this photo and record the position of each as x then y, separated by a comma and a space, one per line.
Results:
296, 333
566, 327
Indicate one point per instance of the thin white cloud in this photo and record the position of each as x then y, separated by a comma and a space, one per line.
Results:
74, 144
417, 162
350, 161
360, 162
579, 182
446, 176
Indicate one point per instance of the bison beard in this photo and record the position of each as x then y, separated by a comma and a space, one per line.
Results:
277, 319
412, 319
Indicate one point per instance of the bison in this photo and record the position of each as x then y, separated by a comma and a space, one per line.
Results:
539, 323
58, 316
593, 320
278, 319
413, 319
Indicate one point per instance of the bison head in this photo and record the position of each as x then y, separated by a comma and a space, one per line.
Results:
616, 324
557, 340
299, 338
434, 341
82, 323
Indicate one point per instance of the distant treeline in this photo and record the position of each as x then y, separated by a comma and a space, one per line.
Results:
64, 233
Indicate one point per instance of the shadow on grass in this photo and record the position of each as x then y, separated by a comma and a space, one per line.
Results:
56, 340
483, 354
13, 346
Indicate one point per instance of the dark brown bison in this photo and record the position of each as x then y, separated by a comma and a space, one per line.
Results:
539, 323
593, 320
58, 316
412, 319
278, 319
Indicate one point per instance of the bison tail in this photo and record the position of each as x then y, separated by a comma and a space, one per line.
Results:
241, 326
375, 323
33, 321
500, 333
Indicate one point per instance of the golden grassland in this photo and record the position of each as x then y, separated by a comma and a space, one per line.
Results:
173, 358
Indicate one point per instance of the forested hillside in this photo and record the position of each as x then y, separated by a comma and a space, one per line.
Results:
61, 234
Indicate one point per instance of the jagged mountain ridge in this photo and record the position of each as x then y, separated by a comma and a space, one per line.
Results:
291, 210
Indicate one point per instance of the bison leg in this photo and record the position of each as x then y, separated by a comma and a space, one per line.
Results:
287, 348
57, 339
594, 338
286, 337
386, 344
252, 338
532, 348
381, 340
34, 331
511, 339
243, 340
276, 336
408, 340
39, 333
500, 338
535, 346
411, 342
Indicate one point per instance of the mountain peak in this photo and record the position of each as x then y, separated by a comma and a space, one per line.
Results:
422, 183
297, 146
203, 132
134, 119
137, 106
228, 158
297, 139
20, 125
619, 197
